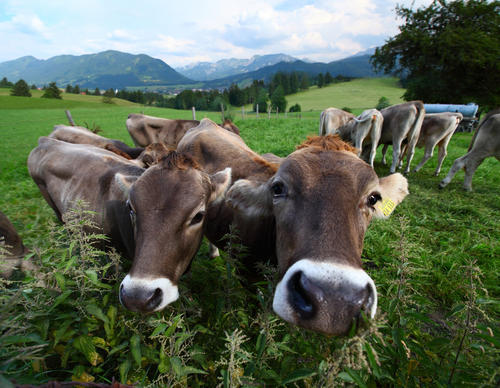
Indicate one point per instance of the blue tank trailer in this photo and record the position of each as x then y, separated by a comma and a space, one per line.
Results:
469, 112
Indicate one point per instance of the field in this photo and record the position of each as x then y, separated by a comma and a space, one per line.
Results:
436, 264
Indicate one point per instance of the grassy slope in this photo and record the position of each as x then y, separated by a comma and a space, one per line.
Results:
445, 229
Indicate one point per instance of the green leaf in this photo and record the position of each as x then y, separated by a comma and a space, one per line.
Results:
176, 366
85, 345
372, 361
4, 383
60, 299
124, 369
356, 377
298, 375
135, 349
92, 276
261, 345
94, 310
159, 329
189, 370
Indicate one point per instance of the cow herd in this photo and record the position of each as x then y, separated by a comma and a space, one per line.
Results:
306, 213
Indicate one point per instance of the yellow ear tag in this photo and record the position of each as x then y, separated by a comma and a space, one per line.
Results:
387, 206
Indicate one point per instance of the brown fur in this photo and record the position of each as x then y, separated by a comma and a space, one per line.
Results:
328, 143
272, 167
178, 160
112, 148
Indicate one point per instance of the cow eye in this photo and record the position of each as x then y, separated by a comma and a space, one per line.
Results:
278, 189
197, 218
373, 199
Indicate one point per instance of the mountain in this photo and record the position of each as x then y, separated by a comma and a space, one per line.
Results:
207, 71
357, 66
108, 69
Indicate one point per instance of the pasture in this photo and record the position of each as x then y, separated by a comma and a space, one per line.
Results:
436, 264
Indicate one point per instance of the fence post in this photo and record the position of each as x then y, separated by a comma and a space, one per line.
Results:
277, 110
194, 112
285, 114
222, 110
242, 112
257, 110
70, 118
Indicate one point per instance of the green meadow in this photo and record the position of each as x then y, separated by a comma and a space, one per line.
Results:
435, 262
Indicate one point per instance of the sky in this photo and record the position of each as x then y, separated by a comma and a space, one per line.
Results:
187, 31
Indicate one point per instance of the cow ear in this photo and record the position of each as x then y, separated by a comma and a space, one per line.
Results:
250, 197
220, 183
393, 189
125, 182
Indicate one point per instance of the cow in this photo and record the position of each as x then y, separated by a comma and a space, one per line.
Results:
402, 121
356, 130
145, 130
437, 129
308, 215
484, 143
67, 172
12, 249
143, 157
81, 135
331, 119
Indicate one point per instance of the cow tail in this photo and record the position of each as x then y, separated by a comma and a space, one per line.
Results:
417, 124
322, 124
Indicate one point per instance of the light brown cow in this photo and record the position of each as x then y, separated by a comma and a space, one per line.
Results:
437, 129
484, 143
145, 130
12, 250
143, 157
401, 122
310, 214
332, 119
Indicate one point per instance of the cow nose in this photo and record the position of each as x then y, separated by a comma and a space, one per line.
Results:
303, 293
141, 299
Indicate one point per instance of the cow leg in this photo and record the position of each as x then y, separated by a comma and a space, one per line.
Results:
443, 146
396, 151
471, 166
429, 151
384, 150
358, 144
458, 164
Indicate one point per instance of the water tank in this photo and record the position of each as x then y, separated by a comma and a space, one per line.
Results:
468, 110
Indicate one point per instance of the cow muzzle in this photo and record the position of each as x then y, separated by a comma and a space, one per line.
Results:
324, 296
147, 295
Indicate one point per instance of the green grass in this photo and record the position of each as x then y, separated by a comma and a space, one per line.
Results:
436, 264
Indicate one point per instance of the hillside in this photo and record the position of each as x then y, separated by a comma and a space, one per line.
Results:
357, 66
108, 69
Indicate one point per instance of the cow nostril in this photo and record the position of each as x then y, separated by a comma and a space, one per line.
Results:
155, 299
300, 295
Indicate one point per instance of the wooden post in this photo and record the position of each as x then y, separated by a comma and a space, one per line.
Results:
194, 112
242, 112
277, 110
222, 110
257, 110
285, 114
70, 119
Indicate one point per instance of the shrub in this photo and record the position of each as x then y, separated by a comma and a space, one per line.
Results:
20, 89
52, 91
383, 102
347, 109
295, 108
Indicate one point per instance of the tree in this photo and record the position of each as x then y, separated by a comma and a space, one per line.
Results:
447, 52
261, 101
107, 97
76, 90
236, 95
97, 92
295, 108
328, 78
5, 83
20, 89
69, 89
383, 102
321, 80
52, 91
278, 99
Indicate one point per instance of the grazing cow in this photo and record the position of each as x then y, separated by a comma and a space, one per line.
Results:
358, 128
12, 250
80, 135
484, 143
145, 130
332, 119
401, 122
437, 129
310, 215
68, 172
144, 157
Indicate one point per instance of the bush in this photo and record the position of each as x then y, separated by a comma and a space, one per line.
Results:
295, 108
20, 89
383, 102
52, 91
347, 109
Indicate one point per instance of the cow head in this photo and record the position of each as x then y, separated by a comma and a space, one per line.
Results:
322, 199
167, 206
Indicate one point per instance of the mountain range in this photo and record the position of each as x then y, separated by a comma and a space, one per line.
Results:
118, 70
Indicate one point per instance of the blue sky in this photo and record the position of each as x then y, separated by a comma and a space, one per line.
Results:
187, 31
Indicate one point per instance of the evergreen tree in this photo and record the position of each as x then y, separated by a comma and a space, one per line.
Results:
97, 92
321, 80
278, 99
76, 89
328, 78
261, 101
52, 91
20, 89
304, 82
5, 83
33, 87
69, 89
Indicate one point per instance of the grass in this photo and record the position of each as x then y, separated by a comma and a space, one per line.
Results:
436, 264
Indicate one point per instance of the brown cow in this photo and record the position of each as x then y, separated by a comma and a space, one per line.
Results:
144, 157
12, 250
145, 130
437, 129
402, 121
310, 214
